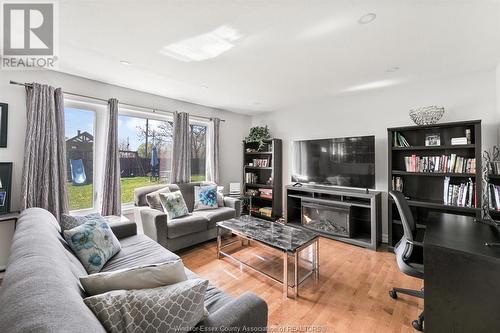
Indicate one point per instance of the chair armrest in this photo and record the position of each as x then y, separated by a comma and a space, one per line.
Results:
154, 224
124, 229
233, 203
247, 311
412, 242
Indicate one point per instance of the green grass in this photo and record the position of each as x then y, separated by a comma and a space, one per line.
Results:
80, 197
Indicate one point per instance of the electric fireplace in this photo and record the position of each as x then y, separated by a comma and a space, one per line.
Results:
330, 219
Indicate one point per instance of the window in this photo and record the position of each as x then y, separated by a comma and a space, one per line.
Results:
198, 152
145, 153
79, 136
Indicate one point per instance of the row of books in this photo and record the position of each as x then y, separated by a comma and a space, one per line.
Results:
443, 163
251, 177
260, 162
399, 140
494, 196
266, 211
462, 195
397, 184
266, 193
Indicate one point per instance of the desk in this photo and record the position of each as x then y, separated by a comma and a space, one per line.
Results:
7, 226
462, 275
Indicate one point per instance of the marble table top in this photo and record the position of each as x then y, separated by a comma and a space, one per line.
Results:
277, 235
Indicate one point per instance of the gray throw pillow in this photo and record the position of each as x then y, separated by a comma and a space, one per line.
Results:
174, 308
141, 277
68, 222
93, 243
153, 198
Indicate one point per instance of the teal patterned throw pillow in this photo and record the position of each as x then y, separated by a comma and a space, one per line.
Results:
93, 243
205, 197
173, 204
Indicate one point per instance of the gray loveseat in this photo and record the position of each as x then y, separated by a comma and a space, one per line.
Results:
181, 232
41, 291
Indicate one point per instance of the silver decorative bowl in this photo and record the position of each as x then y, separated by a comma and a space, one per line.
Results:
426, 115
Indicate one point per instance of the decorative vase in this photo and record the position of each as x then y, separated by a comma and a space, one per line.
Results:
426, 115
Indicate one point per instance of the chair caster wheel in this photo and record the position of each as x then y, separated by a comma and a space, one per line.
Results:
393, 294
417, 325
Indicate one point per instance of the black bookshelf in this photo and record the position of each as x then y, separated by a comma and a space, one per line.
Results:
272, 152
424, 190
494, 180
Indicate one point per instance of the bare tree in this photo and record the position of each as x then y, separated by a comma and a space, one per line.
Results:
198, 140
163, 133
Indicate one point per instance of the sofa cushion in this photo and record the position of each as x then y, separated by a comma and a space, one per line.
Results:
40, 292
141, 192
174, 205
216, 215
136, 251
174, 308
187, 190
205, 197
214, 297
220, 192
69, 222
153, 199
186, 225
140, 277
93, 243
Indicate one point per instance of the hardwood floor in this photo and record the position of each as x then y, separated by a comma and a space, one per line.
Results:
351, 295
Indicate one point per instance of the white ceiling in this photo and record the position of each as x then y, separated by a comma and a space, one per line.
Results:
288, 51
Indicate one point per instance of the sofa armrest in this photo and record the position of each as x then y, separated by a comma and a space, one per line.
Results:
233, 203
154, 224
247, 312
124, 229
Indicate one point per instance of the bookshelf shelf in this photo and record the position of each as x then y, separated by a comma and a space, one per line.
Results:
426, 189
259, 176
257, 168
445, 147
258, 153
258, 185
434, 174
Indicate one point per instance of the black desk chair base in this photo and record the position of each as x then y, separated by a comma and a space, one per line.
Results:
418, 324
415, 293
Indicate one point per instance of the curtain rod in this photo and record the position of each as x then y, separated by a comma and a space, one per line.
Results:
105, 100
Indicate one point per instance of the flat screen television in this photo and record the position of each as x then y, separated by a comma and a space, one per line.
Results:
336, 162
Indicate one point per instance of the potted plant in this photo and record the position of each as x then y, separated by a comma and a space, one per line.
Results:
258, 134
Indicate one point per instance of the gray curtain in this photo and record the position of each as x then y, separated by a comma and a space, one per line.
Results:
111, 193
181, 156
212, 164
44, 170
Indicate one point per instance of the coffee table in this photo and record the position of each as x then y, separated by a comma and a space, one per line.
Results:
288, 240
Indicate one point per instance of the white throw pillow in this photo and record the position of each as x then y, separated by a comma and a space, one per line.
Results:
141, 277
169, 309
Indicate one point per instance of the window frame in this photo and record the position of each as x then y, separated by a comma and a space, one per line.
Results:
99, 127
101, 123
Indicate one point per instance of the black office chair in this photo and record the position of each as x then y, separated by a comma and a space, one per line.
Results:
404, 250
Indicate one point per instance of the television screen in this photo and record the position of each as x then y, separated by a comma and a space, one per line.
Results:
340, 161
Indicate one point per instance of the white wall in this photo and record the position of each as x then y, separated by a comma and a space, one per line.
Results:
232, 131
372, 112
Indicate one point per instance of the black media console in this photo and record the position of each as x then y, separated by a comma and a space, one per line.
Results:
348, 215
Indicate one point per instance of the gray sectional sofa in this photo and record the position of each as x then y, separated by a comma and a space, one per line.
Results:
41, 291
181, 232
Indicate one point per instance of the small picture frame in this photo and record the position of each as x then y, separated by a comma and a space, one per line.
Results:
432, 139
